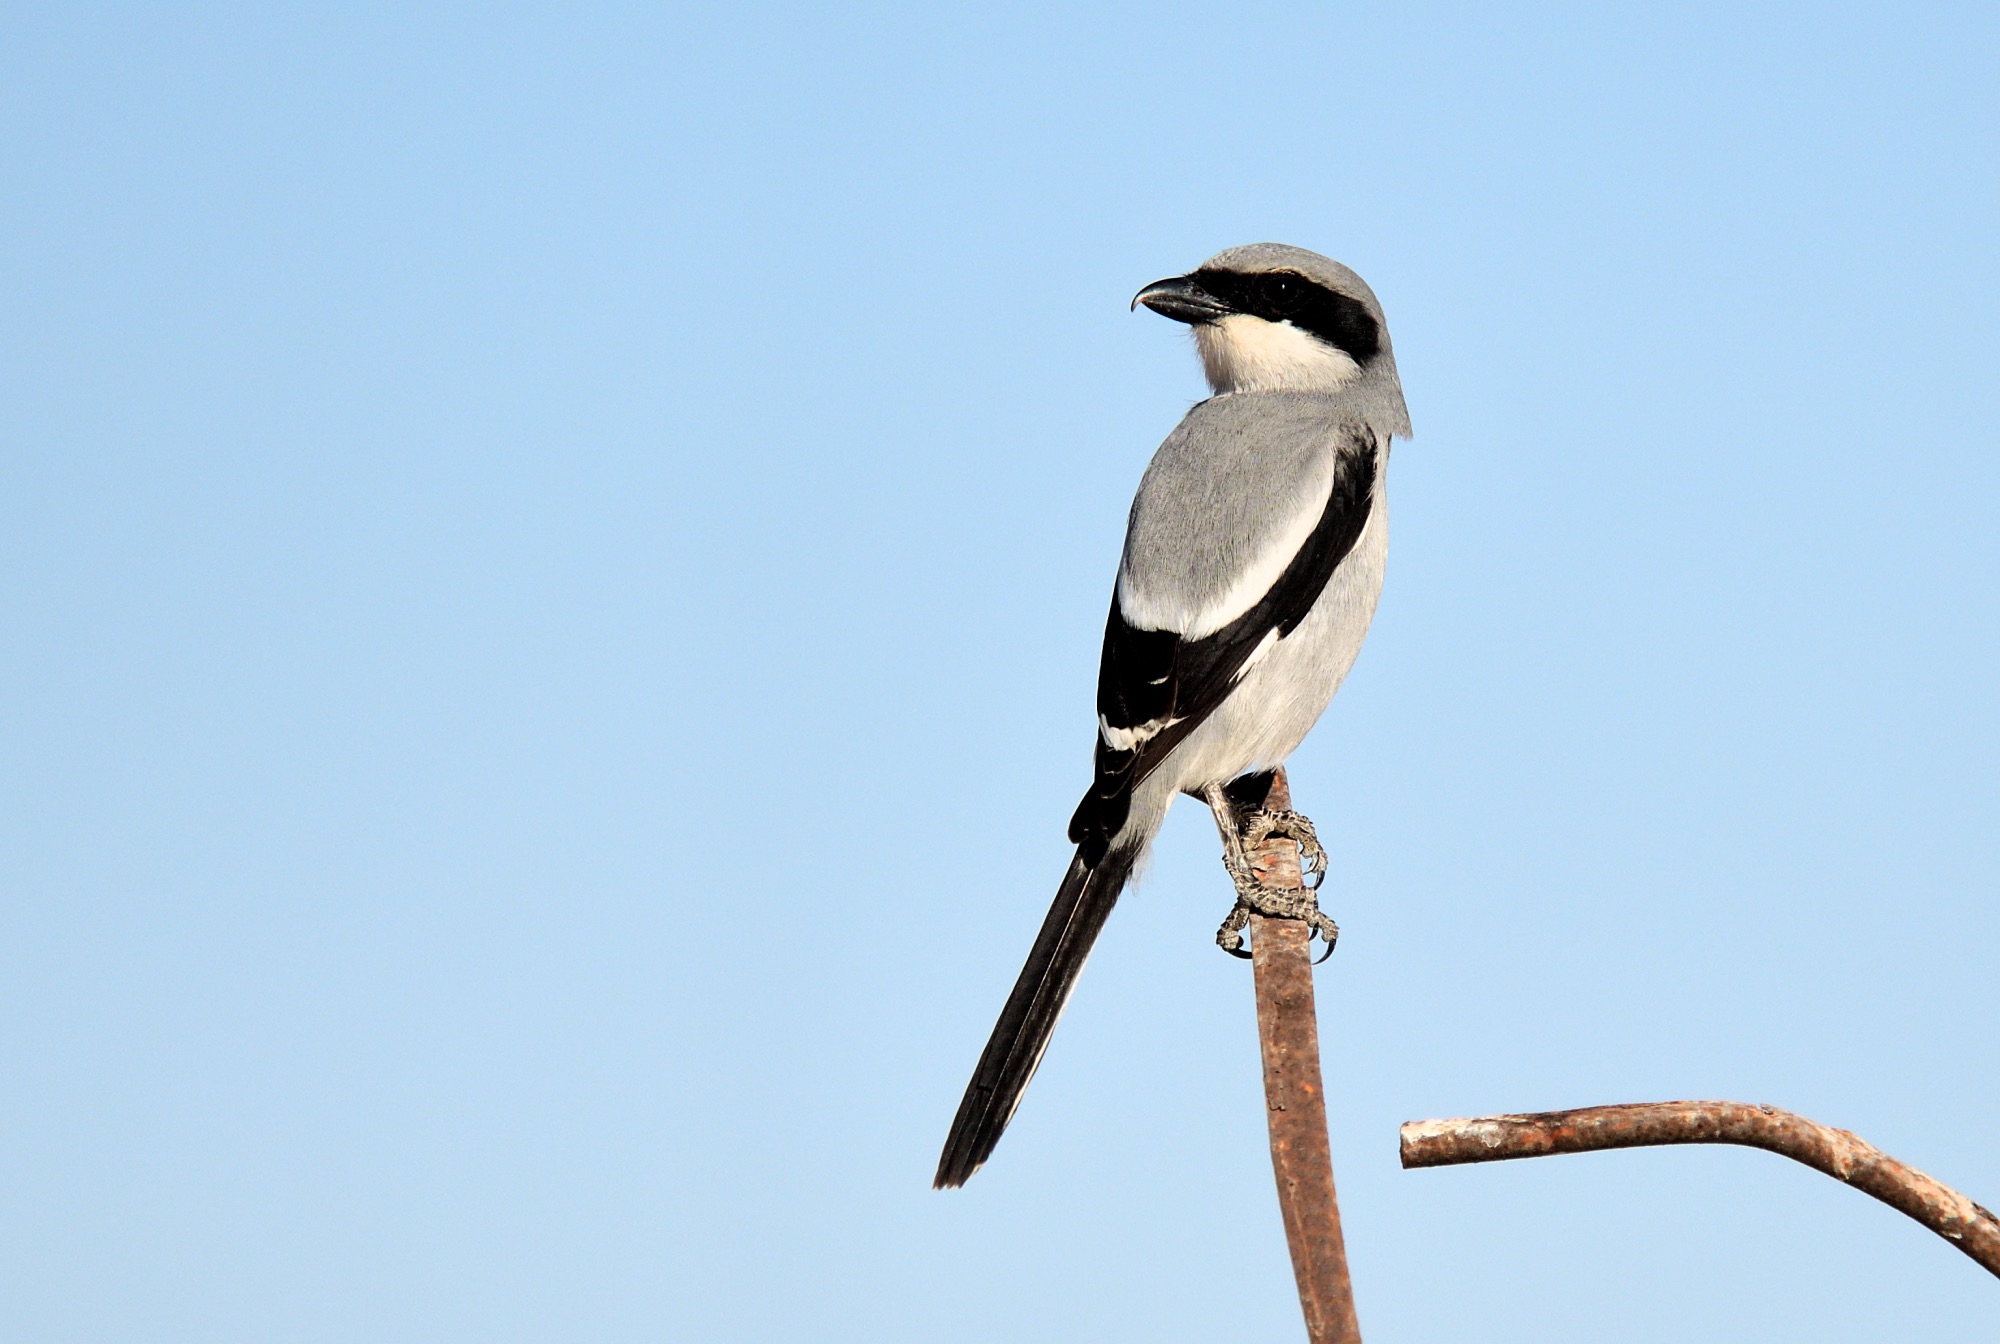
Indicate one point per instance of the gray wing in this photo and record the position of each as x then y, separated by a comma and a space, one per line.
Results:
1242, 519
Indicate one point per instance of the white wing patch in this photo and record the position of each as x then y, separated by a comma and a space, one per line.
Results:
1264, 646
1131, 739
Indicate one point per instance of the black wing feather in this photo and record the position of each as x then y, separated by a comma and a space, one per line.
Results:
1155, 676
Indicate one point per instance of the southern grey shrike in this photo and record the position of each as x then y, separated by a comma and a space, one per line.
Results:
1253, 561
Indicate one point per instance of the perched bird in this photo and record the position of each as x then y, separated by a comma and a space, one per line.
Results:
1253, 561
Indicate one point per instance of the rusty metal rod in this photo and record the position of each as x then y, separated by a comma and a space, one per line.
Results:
1301, 1159
1839, 1154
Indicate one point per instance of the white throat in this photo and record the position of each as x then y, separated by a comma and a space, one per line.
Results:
1240, 353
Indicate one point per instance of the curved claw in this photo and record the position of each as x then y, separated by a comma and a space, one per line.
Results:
1328, 931
1312, 871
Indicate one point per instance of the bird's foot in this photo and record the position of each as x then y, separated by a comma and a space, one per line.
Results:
1261, 825
1254, 898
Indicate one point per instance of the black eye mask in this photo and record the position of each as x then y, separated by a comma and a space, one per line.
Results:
1286, 296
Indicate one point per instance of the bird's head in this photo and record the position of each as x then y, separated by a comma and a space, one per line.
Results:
1268, 317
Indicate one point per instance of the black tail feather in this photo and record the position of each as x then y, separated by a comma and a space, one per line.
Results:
1082, 904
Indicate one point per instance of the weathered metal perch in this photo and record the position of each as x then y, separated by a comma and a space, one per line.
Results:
1839, 1154
1301, 1159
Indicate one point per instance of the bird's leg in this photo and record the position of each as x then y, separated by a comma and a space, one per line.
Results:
1252, 895
1230, 936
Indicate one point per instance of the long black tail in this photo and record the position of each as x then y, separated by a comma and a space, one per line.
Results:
1081, 906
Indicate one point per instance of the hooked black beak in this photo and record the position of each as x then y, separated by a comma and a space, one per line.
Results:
1183, 300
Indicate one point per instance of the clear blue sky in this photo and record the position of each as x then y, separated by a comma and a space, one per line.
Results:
552, 562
